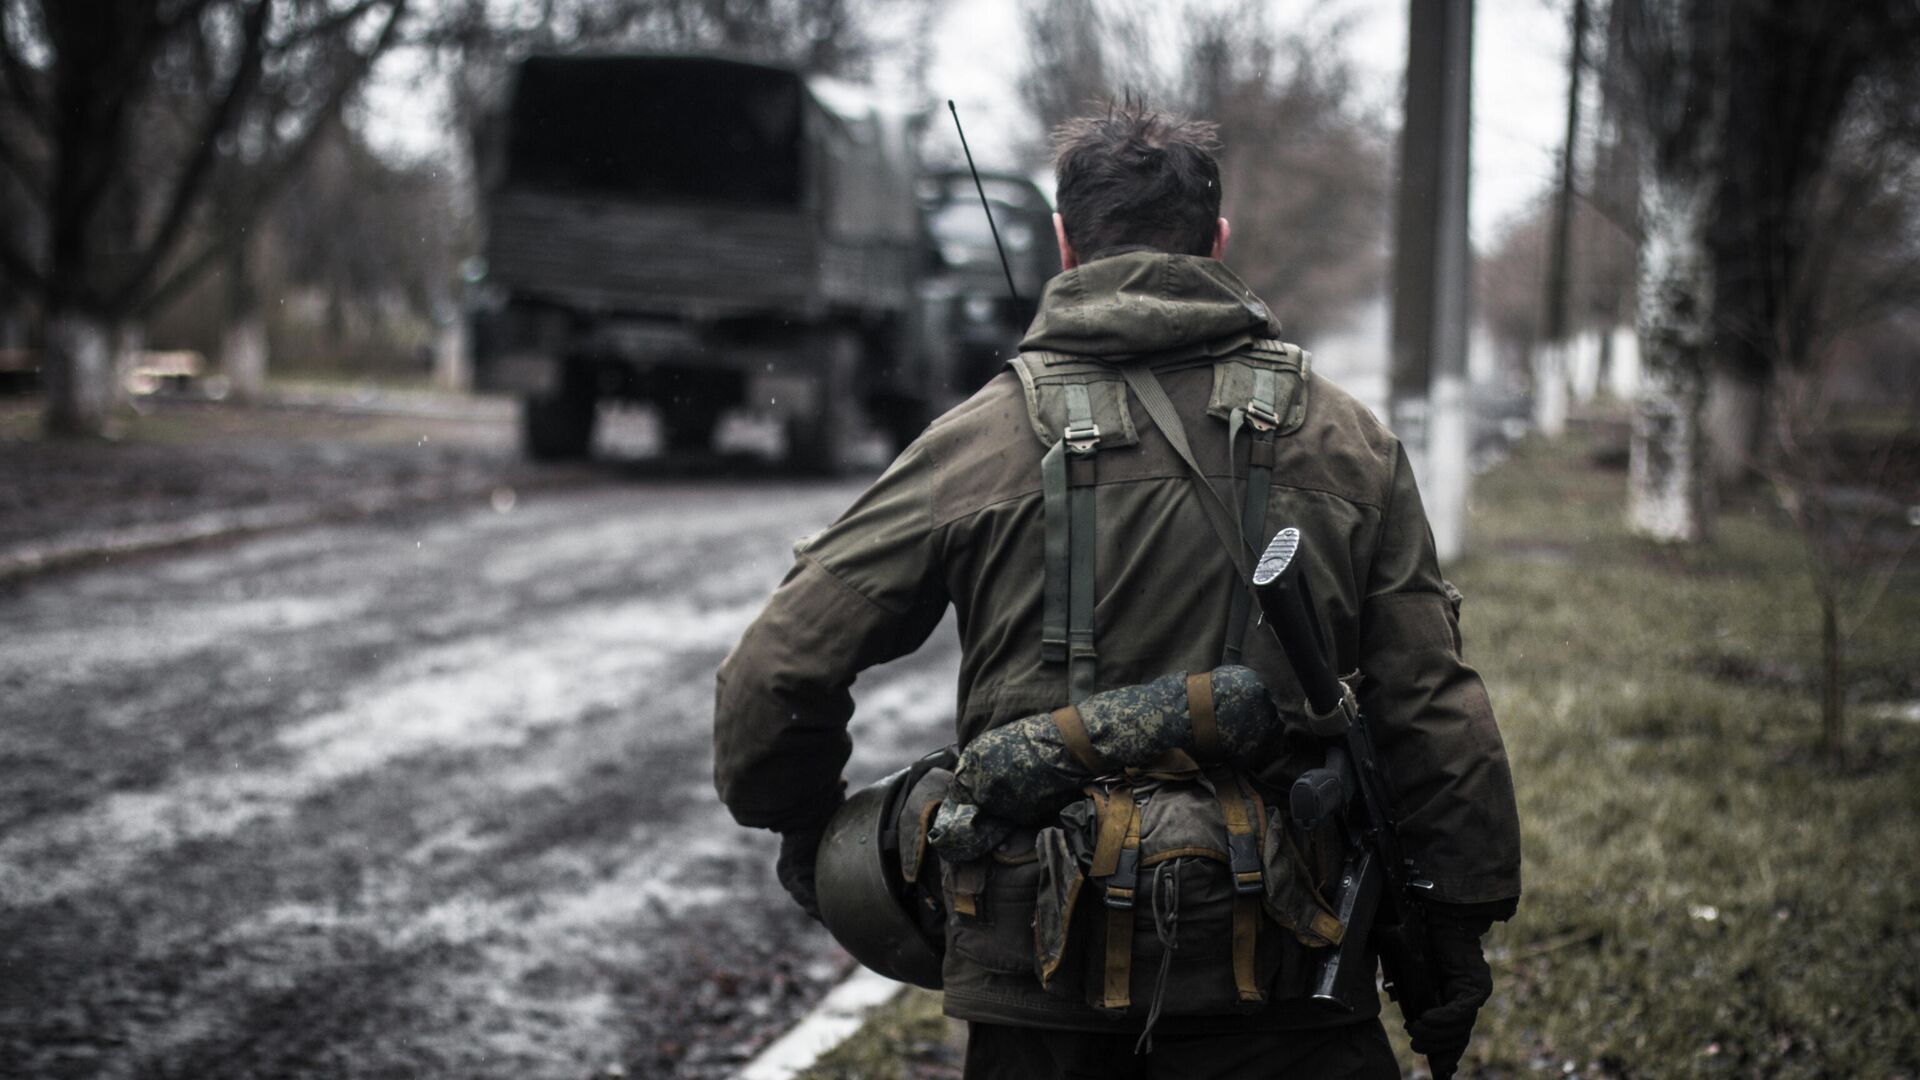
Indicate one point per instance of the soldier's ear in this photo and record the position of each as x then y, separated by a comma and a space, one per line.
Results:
1221, 232
1068, 259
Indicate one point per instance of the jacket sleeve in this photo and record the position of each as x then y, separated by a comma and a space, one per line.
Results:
863, 592
1431, 718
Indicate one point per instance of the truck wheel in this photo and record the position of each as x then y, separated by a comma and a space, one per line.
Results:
559, 426
687, 429
823, 442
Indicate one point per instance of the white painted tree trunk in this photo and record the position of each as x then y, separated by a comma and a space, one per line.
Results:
243, 356
1668, 493
78, 369
1550, 388
452, 357
1449, 472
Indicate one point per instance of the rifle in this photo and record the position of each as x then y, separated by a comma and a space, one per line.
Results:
1381, 894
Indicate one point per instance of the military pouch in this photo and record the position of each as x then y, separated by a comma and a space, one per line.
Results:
920, 872
1292, 898
1150, 898
990, 905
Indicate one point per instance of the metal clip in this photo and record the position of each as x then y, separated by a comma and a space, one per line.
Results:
1082, 440
1261, 417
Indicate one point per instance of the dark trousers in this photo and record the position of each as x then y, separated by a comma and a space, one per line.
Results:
1348, 1052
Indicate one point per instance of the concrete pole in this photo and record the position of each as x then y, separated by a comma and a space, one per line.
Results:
1552, 361
1433, 264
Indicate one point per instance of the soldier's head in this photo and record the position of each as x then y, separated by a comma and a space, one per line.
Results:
1137, 176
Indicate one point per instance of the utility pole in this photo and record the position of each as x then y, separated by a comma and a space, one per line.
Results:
1550, 364
1432, 264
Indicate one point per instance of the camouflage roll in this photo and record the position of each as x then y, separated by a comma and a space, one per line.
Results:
1025, 771
961, 832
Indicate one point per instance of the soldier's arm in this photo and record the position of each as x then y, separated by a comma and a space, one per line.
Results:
1431, 717
863, 592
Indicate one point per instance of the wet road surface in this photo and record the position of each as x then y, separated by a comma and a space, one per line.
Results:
428, 795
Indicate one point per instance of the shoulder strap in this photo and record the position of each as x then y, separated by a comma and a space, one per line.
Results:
1067, 476
1146, 386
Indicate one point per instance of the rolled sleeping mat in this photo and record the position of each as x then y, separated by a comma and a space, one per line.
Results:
1026, 771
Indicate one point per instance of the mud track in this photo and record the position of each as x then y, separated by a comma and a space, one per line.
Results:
421, 796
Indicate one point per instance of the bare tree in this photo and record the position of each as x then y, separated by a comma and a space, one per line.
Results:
1674, 62
1848, 499
1303, 171
1795, 70
129, 218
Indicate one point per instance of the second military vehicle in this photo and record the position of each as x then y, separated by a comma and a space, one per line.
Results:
703, 235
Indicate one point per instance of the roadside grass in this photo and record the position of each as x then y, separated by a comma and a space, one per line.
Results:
1704, 895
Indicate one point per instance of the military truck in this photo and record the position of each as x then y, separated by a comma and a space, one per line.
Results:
703, 235
972, 324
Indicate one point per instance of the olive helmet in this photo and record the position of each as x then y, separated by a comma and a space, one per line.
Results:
863, 899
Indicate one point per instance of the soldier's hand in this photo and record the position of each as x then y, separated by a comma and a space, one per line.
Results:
798, 851
1442, 1032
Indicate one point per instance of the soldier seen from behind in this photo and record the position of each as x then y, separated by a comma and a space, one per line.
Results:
1108, 871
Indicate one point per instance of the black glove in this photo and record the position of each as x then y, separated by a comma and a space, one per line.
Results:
799, 849
1441, 1033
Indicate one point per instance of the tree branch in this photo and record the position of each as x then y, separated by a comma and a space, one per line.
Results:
19, 267
19, 79
323, 27
187, 190
31, 175
142, 301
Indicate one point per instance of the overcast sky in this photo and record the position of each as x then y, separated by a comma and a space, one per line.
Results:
1518, 99
1519, 73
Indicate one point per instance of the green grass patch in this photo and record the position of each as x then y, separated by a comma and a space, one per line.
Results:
905, 1039
1704, 895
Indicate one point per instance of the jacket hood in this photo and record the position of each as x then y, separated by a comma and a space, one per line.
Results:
1143, 301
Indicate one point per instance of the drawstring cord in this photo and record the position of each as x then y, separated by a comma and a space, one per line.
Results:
1164, 900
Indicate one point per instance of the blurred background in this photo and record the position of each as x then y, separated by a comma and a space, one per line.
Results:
404, 404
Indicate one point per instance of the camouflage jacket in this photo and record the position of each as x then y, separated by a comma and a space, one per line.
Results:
957, 519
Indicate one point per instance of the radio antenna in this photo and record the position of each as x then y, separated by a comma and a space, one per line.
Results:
1005, 268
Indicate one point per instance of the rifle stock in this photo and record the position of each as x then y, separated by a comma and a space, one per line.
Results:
1380, 889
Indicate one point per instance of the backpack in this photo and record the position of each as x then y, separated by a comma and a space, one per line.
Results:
1168, 889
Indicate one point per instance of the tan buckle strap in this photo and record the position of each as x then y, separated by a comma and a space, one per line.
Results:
1117, 986
1241, 810
1073, 732
1206, 729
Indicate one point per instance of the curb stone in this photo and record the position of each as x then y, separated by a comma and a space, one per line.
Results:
831, 1023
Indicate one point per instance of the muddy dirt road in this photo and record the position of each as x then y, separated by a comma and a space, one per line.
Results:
422, 796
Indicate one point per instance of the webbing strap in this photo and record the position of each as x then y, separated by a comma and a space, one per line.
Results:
1082, 661
1073, 732
1206, 728
1117, 988
1242, 811
1053, 616
1259, 412
1246, 943
1153, 397
1253, 525
1113, 828
1067, 479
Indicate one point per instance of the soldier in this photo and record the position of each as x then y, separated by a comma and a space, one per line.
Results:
976, 513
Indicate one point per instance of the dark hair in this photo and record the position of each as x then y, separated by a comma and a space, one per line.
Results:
1137, 176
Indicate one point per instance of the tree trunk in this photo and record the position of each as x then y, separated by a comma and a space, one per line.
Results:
243, 355
1668, 497
243, 344
78, 368
1550, 388
1736, 416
